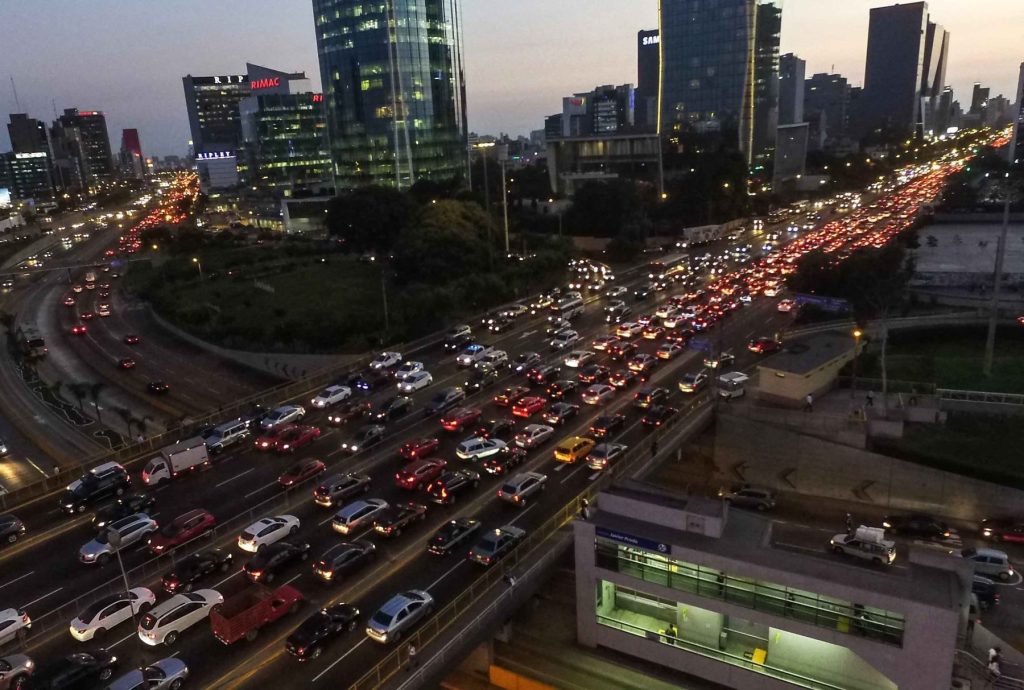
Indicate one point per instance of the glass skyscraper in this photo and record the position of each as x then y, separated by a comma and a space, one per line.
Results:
394, 89
720, 72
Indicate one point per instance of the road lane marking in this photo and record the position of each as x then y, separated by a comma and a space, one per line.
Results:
237, 476
123, 639
571, 474
293, 579
237, 572
521, 514
36, 601
17, 578
341, 658
262, 488
449, 572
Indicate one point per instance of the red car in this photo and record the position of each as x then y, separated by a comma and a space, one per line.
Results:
268, 439
301, 472
460, 418
763, 345
527, 407
126, 363
418, 473
78, 329
420, 448
295, 436
69, 301
182, 530
349, 410
510, 395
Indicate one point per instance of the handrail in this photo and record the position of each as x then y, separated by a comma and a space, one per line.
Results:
979, 671
950, 318
979, 396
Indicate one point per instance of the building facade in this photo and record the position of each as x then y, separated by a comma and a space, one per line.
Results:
28, 135
212, 105
81, 146
394, 90
792, 71
829, 94
720, 72
133, 163
648, 68
27, 175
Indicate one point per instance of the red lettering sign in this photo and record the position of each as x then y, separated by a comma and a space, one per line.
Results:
318, 98
267, 83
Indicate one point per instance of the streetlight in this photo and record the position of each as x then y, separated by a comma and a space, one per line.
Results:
857, 333
199, 265
114, 539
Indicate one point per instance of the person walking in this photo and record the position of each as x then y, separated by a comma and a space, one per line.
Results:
849, 524
870, 399
585, 509
809, 403
410, 651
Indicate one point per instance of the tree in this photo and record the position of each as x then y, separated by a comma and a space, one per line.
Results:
126, 415
95, 389
79, 391
448, 240
370, 218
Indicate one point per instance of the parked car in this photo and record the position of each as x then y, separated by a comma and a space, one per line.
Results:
310, 638
990, 563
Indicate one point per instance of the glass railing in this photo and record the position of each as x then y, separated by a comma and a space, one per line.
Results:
797, 605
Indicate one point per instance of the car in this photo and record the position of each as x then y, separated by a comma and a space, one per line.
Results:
561, 388
593, 373
181, 530
295, 436
348, 410
455, 343
286, 414
574, 448
749, 496
69, 301
556, 325
164, 674
300, 472
392, 408
396, 517
629, 329
103, 309
604, 454
358, 514
867, 543
86, 316
131, 339
12, 529
622, 378
533, 435
444, 400
785, 306
104, 481
344, 558
338, 487
398, 615
764, 345
472, 354
501, 463
267, 531
652, 332
657, 415
78, 670
650, 396
679, 336
990, 563
608, 424
564, 339
919, 525
642, 364
165, 623
158, 388
480, 378
269, 561
79, 329
525, 361
119, 534
1002, 529
367, 437
195, 567
693, 382
419, 448
495, 544
578, 358
15, 670
267, 439
723, 360
477, 448
602, 342
451, 535
494, 359
126, 505
538, 376
614, 292
110, 611
505, 429
331, 396
386, 360
418, 473
560, 413
414, 382
669, 351
986, 590
409, 368
518, 489
310, 638
598, 394
14, 624
459, 419
365, 381
76, 288
511, 395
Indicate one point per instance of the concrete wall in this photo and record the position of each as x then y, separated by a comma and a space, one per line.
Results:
699, 626
792, 462
822, 660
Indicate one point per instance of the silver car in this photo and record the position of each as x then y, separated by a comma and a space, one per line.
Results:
286, 414
134, 529
14, 669
166, 674
398, 614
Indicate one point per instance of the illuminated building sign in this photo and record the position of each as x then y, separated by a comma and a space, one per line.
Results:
318, 98
236, 79
267, 83
651, 40
88, 113
213, 155
21, 156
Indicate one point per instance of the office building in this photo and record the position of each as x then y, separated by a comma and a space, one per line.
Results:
720, 72
1018, 117
133, 163
979, 99
27, 175
28, 135
394, 90
731, 597
648, 68
81, 146
605, 110
790, 160
829, 95
791, 89
212, 105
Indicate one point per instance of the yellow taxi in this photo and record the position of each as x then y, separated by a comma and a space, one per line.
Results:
574, 448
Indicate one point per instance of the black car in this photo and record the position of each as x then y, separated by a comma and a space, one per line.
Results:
79, 670
525, 361
594, 373
157, 387
560, 413
393, 408
444, 400
643, 292
446, 488
986, 590
501, 324
504, 429
271, 559
344, 558
367, 437
503, 462
657, 415
561, 388
650, 396
451, 535
538, 376
189, 571
349, 410
308, 640
94, 487
456, 343
607, 424
481, 378
129, 504
918, 525
11, 529
338, 487
616, 314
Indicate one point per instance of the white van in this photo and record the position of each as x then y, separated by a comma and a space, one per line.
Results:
732, 385
174, 459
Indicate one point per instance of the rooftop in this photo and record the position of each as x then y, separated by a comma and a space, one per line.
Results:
805, 355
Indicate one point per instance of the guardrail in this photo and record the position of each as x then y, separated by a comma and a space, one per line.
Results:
967, 664
636, 458
960, 318
979, 396
891, 385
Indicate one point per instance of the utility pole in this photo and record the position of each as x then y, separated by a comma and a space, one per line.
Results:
504, 201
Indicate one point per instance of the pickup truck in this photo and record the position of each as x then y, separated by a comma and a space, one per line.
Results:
446, 488
245, 613
392, 521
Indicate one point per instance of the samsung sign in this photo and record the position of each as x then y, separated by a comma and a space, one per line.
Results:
651, 40
630, 540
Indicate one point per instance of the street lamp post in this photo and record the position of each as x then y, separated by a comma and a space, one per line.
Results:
199, 265
114, 540
857, 333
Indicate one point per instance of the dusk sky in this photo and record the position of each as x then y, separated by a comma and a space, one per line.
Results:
127, 57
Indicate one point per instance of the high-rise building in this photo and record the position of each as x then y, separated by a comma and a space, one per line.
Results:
28, 135
212, 104
81, 145
605, 110
719, 72
791, 89
979, 99
829, 94
394, 89
27, 175
648, 67
1018, 127
133, 163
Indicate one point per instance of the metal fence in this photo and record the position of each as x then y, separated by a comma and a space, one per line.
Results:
979, 396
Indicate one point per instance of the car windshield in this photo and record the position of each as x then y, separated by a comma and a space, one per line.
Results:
153, 674
170, 530
508, 489
148, 622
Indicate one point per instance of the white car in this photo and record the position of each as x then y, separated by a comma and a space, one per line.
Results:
460, 331
414, 382
675, 318
330, 396
578, 358
409, 368
495, 359
614, 292
665, 310
471, 355
629, 329
598, 393
111, 611
165, 623
386, 360
267, 531
604, 454
478, 448
13, 623
357, 514
563, 340
533, 435
286, 414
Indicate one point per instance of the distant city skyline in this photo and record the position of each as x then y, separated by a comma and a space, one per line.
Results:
127, 58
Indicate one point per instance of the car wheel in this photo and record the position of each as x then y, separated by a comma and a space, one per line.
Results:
106, 673
176, 684
316, 653
522, 503
837, 549
170, 638
145, 606
12, 538
352, 625
293, 530
208, 533
1004, 576
224, 566
119, 491
762, 507
80, 509
251, 635
304, 555
419, 487
398, 532
103, 559
397, 636
876, 561
294, 608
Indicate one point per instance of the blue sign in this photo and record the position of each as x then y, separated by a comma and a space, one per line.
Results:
833, 304
631, 540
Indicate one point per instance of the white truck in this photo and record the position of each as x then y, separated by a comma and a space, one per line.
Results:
175, 459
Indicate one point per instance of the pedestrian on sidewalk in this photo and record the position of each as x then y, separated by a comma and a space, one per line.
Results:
849, 524
871, 399
140, 438
410, 651
995, 654
809, 403
585, 509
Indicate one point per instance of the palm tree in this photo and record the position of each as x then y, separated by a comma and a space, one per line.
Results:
126, 414
140, 422
94, 392
79, 391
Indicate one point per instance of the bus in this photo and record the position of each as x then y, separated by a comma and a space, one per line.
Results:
669, 267
567, 308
